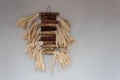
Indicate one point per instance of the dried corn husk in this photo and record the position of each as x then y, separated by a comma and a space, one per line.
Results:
64, 23
62, 58
39, 59
26, 21
37, 48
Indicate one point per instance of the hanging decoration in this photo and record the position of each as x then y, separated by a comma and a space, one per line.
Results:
47, 33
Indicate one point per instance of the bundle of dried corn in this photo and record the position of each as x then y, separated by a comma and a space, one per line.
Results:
47, 33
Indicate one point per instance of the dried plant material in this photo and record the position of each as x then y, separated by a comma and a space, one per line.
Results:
26, 21
62, 58
47, 33
39, 59
64, 23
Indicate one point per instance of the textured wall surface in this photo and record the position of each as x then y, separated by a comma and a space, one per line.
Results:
95, 26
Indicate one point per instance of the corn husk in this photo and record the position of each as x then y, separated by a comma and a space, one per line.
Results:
36, 49
26, 22
62, 58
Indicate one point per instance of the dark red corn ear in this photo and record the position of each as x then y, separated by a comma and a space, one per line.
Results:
49, 21
48, 28
48, 24
49, 13
48, 38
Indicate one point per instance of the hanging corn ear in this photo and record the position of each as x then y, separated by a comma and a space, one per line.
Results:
47, 33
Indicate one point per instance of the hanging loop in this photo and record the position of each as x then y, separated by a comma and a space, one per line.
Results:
48, 9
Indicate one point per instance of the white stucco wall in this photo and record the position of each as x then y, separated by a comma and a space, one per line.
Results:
95, 26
